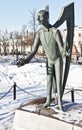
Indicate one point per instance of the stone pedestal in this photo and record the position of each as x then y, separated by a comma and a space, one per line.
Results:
32, 117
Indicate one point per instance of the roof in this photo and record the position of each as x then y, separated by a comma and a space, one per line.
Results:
74, 50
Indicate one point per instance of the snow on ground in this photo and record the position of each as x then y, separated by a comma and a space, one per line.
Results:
31, 83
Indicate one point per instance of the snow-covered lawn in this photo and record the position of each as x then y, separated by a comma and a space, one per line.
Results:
31, 83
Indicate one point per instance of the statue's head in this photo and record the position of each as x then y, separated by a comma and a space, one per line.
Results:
43, 16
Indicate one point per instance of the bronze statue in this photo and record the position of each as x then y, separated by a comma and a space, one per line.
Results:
50, 38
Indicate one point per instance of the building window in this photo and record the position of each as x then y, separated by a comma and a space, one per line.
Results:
79, 34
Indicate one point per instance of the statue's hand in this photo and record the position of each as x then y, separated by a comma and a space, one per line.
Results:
20, 62
66, 53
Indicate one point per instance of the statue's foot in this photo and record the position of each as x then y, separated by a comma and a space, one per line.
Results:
59, 108
47, 104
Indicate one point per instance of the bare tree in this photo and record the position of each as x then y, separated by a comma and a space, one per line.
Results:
33, 21
5, 38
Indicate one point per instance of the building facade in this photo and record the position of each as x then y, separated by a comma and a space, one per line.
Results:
77, 43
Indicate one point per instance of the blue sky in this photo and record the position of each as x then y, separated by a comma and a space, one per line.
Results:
15, 13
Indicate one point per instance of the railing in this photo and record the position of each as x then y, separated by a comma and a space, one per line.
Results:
72, 91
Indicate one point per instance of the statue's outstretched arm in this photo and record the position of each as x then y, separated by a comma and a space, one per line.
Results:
21, 61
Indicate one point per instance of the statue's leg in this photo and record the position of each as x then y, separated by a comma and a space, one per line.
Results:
49, 84
54, 86
59, 72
